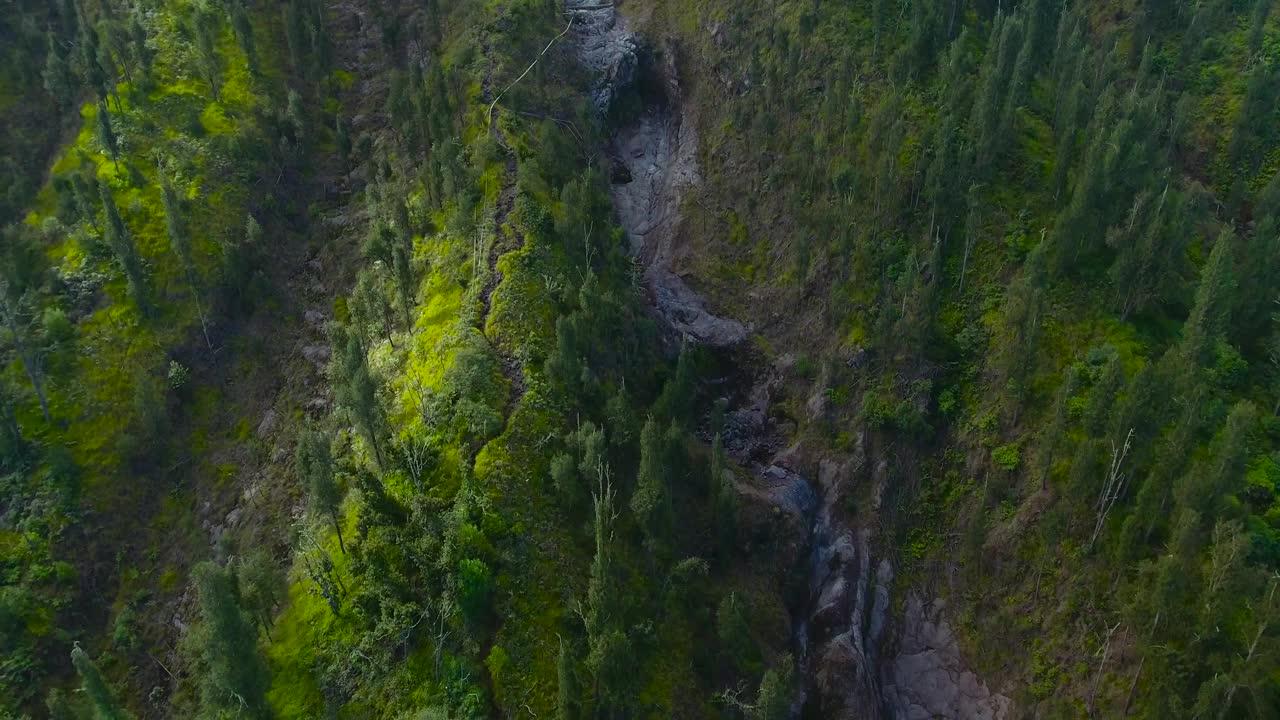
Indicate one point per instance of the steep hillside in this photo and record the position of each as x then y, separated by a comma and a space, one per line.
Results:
527, 358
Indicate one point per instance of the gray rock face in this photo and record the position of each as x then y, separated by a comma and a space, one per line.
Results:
654, 163
316, 354
604, 47
929, 678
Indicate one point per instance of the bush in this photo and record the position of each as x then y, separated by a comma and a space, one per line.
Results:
475, 583
1007, 457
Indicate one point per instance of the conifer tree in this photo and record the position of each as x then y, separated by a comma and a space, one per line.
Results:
1023, 306
369, 307
295, 36
58, 80
107, 135
90, 67
651, 501
242, 26
141, 49
11, 441
20, 276
206, 27
234, 678
180, 242
1203, 489
315, 469
774, 699
101, 697
121, 242
355, 389
1053, 437
567, 686
1213, 303
262, 588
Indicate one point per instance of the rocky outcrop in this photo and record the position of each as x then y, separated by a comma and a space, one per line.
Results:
928, 678
604, 47
654, 162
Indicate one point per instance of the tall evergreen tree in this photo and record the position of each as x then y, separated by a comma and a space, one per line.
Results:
242, 26
21, 275
355, 389
651, 501
315, 469
121, 242
1213, 303
58, 79
107, 135
567, 685
234, 678
101, 696
180, 242
141, 47
206, 27
1023, 306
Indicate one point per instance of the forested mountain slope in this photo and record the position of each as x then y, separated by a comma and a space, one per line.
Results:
532, 358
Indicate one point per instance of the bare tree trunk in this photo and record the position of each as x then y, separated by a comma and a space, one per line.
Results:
338, 527
1097, 680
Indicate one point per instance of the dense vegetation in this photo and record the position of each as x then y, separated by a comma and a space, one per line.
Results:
1052, 228
328, 386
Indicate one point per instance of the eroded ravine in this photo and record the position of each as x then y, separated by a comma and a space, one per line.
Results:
856, 661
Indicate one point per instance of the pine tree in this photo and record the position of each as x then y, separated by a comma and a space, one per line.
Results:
1258, 24
369, 307
58, 80
567, 687
262, 588
21, 274
12, 445
206, 27
602, 598
91, 68
295, 36
1150, 250
315, 469
242, 26
180, 243
774, 699
1053, 437
234, 678
107, 135
1017, 342
1203, 489
406, 283
651, 501
142, 50
101, 697
1213, 303
126, 251
355, 389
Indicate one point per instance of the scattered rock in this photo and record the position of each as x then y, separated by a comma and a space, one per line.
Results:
317, 355
268, 424
816, 405
314, 318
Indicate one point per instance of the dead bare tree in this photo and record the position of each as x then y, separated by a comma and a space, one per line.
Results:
1097, 679
1114, 488
1264, 616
